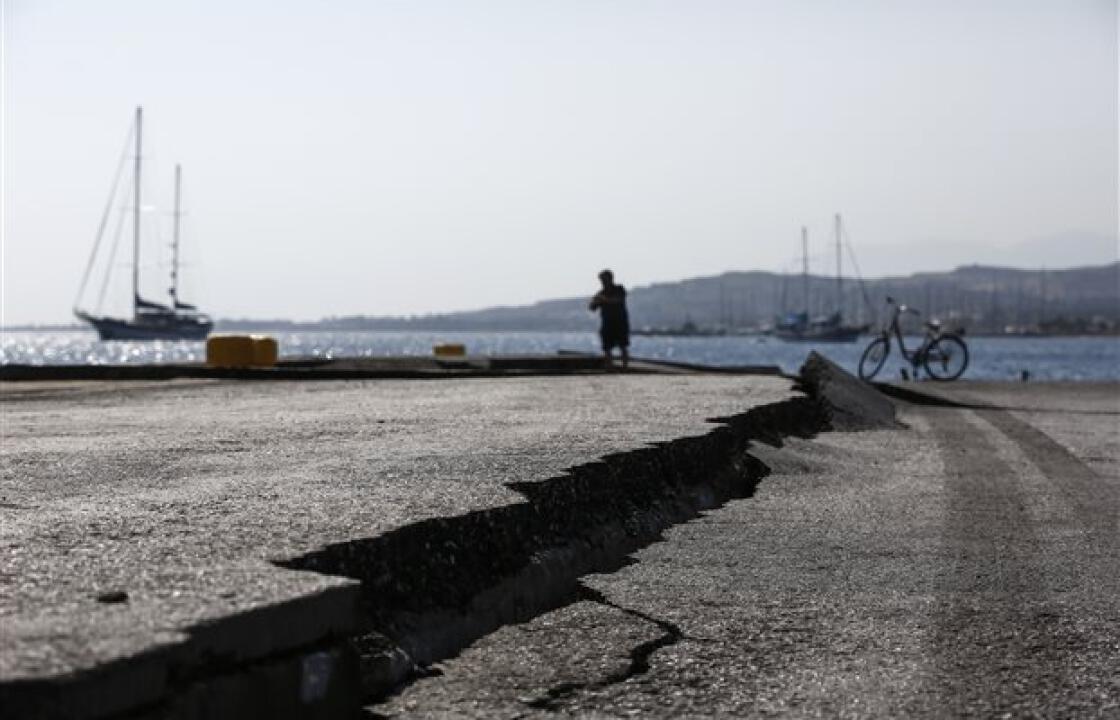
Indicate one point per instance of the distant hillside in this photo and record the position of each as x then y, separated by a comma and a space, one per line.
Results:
984, 299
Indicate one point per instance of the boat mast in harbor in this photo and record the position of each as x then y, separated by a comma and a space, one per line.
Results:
839, 274
136, 216
175, 238
805, 267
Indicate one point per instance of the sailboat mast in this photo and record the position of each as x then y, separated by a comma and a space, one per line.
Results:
175, 240
136, 216
839, 275
805, 264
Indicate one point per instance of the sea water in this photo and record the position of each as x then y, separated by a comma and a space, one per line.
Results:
992, 358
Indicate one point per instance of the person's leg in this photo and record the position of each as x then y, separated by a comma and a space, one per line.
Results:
625, 356
610, 342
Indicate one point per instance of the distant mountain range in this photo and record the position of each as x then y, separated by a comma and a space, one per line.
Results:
980, 298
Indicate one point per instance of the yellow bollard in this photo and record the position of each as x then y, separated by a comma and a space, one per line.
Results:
229, 351
234, 351
450, 350
265, 351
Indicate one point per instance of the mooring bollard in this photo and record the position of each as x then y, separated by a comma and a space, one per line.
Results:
450, 350
233, 351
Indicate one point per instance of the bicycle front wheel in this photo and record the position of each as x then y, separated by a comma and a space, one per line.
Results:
946, 358
871, 362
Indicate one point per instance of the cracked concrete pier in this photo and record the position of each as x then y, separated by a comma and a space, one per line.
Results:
588, 545
189, 547
963, 564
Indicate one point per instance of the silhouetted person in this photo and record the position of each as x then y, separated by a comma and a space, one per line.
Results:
614, 330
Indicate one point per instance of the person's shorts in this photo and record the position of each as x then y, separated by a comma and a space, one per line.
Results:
612, 338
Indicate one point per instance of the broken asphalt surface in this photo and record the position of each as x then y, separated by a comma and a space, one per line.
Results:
483, 548
966, 564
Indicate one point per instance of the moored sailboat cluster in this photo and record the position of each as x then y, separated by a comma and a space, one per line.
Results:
800, 327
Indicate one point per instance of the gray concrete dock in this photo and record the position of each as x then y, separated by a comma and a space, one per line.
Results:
141, 520
967, 564
205, 548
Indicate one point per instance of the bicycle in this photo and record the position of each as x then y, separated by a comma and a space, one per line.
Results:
944, 355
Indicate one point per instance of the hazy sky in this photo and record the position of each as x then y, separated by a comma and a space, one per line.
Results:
404, 157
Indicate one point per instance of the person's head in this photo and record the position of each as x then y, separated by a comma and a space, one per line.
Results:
607, 278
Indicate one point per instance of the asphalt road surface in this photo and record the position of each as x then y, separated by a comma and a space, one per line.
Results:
967, 564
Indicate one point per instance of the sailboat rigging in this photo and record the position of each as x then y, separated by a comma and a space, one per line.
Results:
150, 320
800, 327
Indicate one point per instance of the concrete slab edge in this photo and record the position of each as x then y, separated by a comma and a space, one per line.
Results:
29, 373
484, 368
850, 403
271, 649
924, 397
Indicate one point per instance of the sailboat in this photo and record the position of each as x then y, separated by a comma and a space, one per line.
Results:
800, 327
176, 320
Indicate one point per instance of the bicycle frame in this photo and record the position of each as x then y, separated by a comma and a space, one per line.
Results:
916, 356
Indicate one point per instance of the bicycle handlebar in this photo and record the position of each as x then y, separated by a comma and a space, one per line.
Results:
902, 308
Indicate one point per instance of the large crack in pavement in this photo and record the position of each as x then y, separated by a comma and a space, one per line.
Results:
431, 588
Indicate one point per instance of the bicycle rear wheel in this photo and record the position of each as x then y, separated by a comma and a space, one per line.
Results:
871, 362
946, 358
